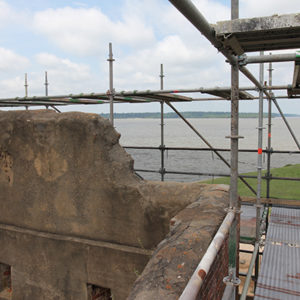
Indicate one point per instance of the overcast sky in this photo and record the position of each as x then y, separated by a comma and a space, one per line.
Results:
70, 40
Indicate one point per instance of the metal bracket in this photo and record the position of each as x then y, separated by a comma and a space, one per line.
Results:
229, 280
162, 171
234, 137
242, 60
258, 205
233, 209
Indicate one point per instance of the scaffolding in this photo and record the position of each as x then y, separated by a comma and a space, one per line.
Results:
233, 44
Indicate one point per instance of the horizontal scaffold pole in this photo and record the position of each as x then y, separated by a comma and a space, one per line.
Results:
269, 58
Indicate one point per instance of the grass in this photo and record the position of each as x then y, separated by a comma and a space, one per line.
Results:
278, 188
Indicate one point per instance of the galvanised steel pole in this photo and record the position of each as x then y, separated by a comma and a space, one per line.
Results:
270, 58
46, 86
249, 274
111, 85
26, 89
269, 134
259, 163
162, 143
26, 86
231, 280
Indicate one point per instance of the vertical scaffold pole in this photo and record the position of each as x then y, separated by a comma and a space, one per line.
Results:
269, 133
232, 281
111, 85
46, 86
26, 88
162, 143
46, 83
259, 162
162, 138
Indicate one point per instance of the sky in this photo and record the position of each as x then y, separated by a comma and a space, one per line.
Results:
69, 40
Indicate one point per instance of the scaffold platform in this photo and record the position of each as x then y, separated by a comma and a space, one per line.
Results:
279, 276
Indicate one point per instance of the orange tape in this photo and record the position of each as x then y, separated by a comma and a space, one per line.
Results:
259, 150
269, 134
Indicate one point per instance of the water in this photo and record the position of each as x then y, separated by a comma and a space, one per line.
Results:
146, 132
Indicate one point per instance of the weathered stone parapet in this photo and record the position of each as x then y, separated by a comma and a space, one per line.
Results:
178, 255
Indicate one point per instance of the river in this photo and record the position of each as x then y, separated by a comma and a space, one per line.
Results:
146, 132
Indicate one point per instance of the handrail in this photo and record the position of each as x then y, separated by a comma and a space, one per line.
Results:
192, 288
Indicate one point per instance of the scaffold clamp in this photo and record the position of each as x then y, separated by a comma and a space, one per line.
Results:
233, 281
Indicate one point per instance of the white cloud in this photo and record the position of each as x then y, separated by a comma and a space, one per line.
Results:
10, 61
9, 16
184, 65
12, 87
258, 8
76, 71
6, 13
64, 74
87, 31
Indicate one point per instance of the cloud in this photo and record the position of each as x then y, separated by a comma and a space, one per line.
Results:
6, 13
12, 87
87, 31
64, 74
10, 61
258, 8
76, 71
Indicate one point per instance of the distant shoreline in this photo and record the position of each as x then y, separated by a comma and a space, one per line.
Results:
190, 114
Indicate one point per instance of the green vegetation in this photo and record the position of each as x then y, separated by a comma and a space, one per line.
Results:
278, 188
188, 114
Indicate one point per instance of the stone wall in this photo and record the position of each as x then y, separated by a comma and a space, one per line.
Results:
178, 255
73, 212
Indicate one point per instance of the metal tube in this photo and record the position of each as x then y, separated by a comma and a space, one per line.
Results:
270, 58
103, 96
162, 142
234, 202
208, 144
259, 151
26, 89
26, 86
192, 288
234, 198
111, 84
213, 148
269, 134
199, 90
46, 84
250, 270
46, 87
215, 174
229, 292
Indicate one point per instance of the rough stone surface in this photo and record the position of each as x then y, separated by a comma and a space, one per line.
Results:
72, 210
178, 255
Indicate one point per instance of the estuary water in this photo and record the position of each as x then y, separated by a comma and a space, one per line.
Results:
146, 132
